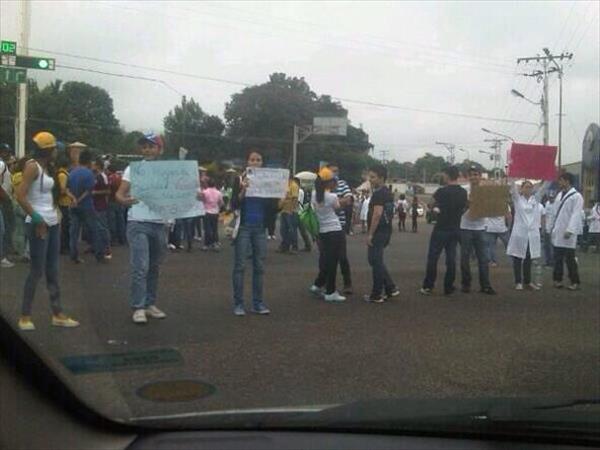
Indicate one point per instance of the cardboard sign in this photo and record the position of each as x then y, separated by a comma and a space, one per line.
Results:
166, 190
488, 201
267, 183
532, 161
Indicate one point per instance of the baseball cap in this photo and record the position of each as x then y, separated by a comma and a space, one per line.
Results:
152, 138
326, 174
5, 148
44, 140
474, 169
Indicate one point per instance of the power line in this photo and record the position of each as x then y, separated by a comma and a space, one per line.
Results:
348, 100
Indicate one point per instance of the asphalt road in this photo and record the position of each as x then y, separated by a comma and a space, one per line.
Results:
308, 352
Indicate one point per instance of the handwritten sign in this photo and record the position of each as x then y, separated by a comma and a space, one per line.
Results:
267, 183
165, 189
532, 161
488, 201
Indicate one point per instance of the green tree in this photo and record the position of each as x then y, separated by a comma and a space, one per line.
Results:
428, 167
187, 125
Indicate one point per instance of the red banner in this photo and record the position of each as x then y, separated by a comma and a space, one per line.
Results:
532, 161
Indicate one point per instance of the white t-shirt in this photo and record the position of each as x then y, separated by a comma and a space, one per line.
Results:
466, 223
495, 224
328, 219
5, 182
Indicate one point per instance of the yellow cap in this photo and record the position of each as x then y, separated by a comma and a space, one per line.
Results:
326, 174
44, 140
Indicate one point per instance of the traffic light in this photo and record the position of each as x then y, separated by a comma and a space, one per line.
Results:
31, 62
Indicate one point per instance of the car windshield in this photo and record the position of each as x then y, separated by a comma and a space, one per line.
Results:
211, 210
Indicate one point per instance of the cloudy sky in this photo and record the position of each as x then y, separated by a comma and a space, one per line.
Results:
455, 58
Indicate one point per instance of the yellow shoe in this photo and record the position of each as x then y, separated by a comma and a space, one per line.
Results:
25, 324
64, 321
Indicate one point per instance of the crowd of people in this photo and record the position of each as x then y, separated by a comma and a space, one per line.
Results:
53, 202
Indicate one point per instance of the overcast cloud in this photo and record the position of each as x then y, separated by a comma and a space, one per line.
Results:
455, 57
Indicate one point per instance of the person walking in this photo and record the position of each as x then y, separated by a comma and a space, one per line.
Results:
402, 207
249, 234
147, 241
344, 193
548, 222
213, 201
379, 220
288, 219
594, 227
450, 202
38, 196
331, 235
495, 228
100, 195
81, 184
567, 225
414, 211
472, 239
525, 240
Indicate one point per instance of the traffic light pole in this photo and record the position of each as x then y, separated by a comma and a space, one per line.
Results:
21, 120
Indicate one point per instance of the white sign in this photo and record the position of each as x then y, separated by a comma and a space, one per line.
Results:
267, 183
165, 189
336, 126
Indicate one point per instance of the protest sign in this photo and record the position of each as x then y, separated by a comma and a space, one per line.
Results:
488, 201
267, 183
532, 161
165, 189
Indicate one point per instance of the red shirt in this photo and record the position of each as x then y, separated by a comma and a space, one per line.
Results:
114, 181
101, 201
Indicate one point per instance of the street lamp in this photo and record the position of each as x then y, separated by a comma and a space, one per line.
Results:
467, 152
518, 94
485, 130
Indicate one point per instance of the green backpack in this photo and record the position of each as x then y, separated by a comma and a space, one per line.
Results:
308, 219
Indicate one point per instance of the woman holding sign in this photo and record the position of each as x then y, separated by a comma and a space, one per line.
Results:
249, 233
147, 242
524, 243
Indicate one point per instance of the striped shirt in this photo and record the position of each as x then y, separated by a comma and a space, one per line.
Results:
342, 190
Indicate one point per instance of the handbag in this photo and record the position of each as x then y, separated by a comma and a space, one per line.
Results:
308, 218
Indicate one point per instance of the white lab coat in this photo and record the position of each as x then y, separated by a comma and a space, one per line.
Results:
594, 219
526, 225
568, 219
364, 210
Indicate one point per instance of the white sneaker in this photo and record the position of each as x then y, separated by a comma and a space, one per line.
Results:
519, 287
334, 297
573, 287
6, 264
155, 313
534, 287
316, 290
139, 316
171, 247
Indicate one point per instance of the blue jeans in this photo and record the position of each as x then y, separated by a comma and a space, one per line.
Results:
381, 277
288, 227
250, 238
88, 217
491, 239
548, 248
147, 249
103, 229
442, 240
474, 240
44, 255
116, 222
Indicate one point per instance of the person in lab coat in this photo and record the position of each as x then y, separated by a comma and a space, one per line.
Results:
594, 224
525, 240
567, 225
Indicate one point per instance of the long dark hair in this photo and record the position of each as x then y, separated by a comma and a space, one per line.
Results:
44, 155
320, 186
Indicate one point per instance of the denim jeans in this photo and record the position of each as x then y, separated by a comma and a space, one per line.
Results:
548, 248
442, 240
522, 268
147, 249
65, 225
288, 227
474, 240
491, 239
88, 217
250, 238
176, 233
188, 230
305, 236
44, 253
103, 229
116, 222
211, 229
381, 277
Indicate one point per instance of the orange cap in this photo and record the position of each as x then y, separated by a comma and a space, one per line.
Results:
44, 140
326, 174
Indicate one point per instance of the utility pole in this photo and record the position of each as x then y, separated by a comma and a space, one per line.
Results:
496, 155
21, 119
383, 156
542, 75
451, 150
300, 135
